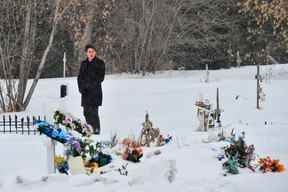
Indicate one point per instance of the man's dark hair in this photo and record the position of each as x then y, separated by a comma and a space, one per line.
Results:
89, 46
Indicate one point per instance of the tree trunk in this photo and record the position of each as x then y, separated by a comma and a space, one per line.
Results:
86, 38
57, 17
41, 66
24, 60
166, 43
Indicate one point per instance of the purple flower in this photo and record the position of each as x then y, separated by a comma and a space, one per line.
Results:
75, 145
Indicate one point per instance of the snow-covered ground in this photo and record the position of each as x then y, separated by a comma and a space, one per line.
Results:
169, 98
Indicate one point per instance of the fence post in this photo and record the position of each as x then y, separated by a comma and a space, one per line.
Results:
33, 119
16, 123
10, 123
28, 124
218, 110
4, 123
22, 125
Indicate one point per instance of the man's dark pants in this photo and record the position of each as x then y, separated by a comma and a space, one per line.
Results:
92, 117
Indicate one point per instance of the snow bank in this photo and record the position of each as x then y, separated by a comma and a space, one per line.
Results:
169, 98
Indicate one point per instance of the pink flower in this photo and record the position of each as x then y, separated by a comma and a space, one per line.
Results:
67, 120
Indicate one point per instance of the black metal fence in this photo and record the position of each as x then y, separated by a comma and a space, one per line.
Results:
18, 125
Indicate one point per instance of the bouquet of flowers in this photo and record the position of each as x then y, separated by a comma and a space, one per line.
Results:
268, 164
132, 150
72, 123
53, 132
61, 165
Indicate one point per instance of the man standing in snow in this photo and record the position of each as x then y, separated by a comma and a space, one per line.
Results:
91, 75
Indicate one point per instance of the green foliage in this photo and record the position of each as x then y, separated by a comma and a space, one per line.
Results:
231, 166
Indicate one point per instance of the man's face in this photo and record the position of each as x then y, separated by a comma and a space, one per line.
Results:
91, 54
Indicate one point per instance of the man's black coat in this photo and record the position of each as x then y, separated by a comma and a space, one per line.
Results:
89, 80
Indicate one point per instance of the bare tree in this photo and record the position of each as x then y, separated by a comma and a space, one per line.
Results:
80, 22
15, 50
60, 9
18, 35
143, 32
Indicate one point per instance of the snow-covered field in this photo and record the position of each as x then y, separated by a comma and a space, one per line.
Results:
169, 98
